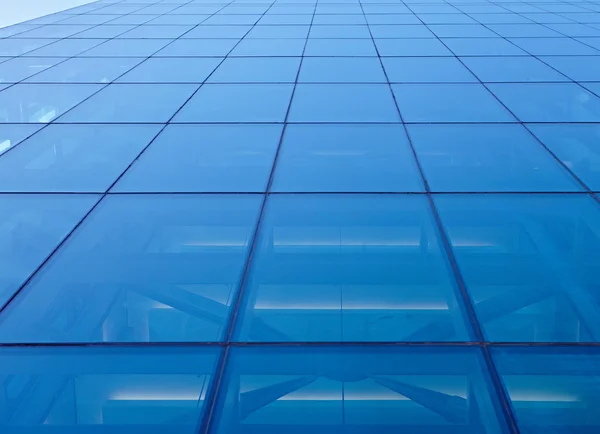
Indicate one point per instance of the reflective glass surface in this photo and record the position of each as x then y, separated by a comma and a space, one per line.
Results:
349, 268
108, 390
356, 389
12, 135
86, 70
141, 268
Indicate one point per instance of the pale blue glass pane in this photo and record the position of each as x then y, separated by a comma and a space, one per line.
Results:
349, 268
66, 48
107, 31
6, 32
206, 158
512, 69
577, 146
73, 158
400, 31
55, 31
213, 32
552, 389
540, 102
88, 19
281, 19
16, 47
32, 103
132, 19
198, 48
411, 47
340, 47
156, 32
338, 19
236, 19
269, 47
86, 70
15, 70
342, 31
404, 19
237, 103
593, 87
529, 263
523, 30
257, 70
132, 103
502, 18
578, 68
334, 390
32, 226
12, 135
486, 158
127, 48
446, 19
141, 268
278, 32
461, 31
179, 19
449, 103
554, 46
105, 390
426, 70
482, 47
171, 70
343, 103
575, 29
341, 70
338, 158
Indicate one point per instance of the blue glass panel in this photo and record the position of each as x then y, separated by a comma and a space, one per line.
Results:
213, 32
529, 262
577, 146
206, 158
461, 31
171, 70
593, 87
340, 47
32, 226
132, 103
575, 29
237, 103
238, 19
544, 102
66, 48
156, 32
341, 31
141, 268
278, 32
12, 135
438, 103
257, 70
482, 47
19, 68
486, 158
327, 390
349, 268
107, 31
198, 48
485, 18
86, 70
411, 47
523, 31
546, 18
193, 20
552, 389
281, 19
127, 48
55, 31
269, 47
426, 70
73, 158
338, 158
88, 19
553, 46
338, 19
343, 103
403, 19
446, 19
341, 70
400, 31
5, 32
131, 19
32, 103
578, 68
512, 69
16, 47
108, 390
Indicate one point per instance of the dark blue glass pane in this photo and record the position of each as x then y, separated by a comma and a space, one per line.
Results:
341, 70
340, 47
105, 390
482, 47
327, 390
411, 47
578, 68
512, 69
32, 226
487, 158
257, 70
41, 103
206, 158
269, 47
349, 268
141, 268
426, 70
171, 70
73, 158
529, 262
554, 46
552, 389
132, 103
577, 146
337, 158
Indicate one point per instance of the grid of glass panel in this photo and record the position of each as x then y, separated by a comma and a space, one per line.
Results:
301, 216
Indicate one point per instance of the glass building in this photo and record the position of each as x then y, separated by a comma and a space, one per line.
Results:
301, 217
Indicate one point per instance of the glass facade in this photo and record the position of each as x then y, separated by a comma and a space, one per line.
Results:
301, 216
